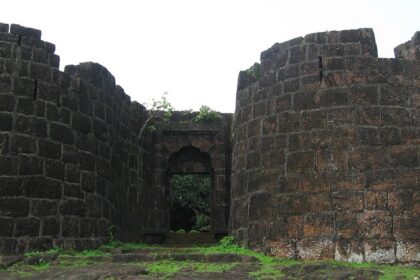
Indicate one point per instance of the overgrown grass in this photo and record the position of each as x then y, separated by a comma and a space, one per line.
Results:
171, 266
128, 246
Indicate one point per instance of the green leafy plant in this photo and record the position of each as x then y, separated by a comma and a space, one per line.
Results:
206, 114
254, 72
192, 192
160, 110
111, 233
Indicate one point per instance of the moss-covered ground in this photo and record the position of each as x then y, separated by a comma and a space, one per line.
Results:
221, 261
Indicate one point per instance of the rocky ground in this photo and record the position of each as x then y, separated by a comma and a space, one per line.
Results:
216, 262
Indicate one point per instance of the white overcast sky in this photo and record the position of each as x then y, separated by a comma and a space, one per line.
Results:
194, 49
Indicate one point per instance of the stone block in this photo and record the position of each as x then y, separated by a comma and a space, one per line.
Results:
346, 225
313, 119
381, 180
300, 162
406, 227
27, 227
54, 169
49, 149
73, 190
30, 165
8, 165
40, 72
376, 200
81, 123
7, 102
364, 94
347, 201
305, 100
88, 181
93, 206
295, 227
299, 141
6, 49
408, 251
379, 250
70, 154
22, 144
6, 227
41, 187
375, 224
4, 144
349, 250
404, 156
86, 142
31, 125
407, 178
368, 158
400, 201
61, 133
334, 63
396, 116
14, 207
394, 96
269, 125
297, 54
40, 56
88, 227
42, 208
316, 225
291, 85
72, 173
368, 116
10, 186
239, 213
262, 206
288, 122
73, 207
341, 116
25, 31
262, 180
368, 136
359, 63
331, 50
253, 160
6, 122
334, 97
281, 249
389, 136
25, 105
69, 226
344, 137
291, 204
100, 130
320, 248
318, 202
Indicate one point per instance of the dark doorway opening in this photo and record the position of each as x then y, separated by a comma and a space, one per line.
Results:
190, 202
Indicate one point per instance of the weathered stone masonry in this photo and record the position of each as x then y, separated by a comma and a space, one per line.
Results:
72, 168
326, 156
324, 152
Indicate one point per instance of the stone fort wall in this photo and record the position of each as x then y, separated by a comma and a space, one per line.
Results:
70, 166
326, 156
72, 169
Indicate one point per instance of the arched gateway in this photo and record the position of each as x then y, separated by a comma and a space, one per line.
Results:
187, 147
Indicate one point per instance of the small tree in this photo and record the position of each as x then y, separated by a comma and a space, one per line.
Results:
159, 110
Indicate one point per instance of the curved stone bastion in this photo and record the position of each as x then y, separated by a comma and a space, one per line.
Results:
326, 156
